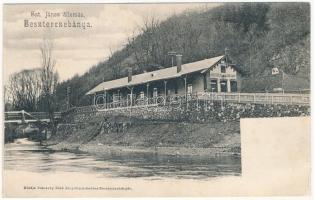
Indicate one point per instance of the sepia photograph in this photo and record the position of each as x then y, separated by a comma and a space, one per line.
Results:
156, 99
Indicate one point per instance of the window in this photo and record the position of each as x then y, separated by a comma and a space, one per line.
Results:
213, 85
155, 93
223, 85
142, 95
116, 97
190, 89
234, 86
175, 88
223, 68
169, 92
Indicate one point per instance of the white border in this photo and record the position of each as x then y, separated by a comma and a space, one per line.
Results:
154, 1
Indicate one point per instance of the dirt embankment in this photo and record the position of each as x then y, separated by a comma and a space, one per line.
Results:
149, 136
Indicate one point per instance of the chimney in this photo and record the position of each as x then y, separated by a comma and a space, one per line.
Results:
227, 55
129, 75
179, 62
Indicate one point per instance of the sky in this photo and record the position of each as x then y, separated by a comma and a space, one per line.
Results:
75, 49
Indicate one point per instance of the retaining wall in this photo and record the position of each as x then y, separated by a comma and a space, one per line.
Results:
192, 125
195, 112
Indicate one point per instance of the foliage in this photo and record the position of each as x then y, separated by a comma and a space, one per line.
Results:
49, 79
259, 36
23, 90
34, 90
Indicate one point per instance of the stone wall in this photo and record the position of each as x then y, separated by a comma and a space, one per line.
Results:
193, 125
193, 112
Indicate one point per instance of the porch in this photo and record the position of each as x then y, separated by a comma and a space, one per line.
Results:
201, 99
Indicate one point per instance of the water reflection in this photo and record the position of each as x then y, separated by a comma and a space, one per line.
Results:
25, 155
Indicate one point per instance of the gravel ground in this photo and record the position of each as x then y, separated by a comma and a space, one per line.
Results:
154, 137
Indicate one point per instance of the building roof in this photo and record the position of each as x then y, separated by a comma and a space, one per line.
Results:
162, 74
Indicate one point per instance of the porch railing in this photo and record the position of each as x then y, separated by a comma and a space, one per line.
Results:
260, 98
254, 98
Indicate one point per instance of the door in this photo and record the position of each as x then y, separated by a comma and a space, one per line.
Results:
223, 85
234, 86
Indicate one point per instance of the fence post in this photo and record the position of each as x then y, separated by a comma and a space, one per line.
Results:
239, 97
196, 101
205, 102
23, 116
254, 97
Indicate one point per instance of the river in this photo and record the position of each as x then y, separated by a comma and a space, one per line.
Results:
28, 156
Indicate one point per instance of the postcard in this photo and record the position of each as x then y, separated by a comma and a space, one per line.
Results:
156, 100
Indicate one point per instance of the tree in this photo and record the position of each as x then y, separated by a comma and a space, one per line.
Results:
49, 79
255, 33
24, 89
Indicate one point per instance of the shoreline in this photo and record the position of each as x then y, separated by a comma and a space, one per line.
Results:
101, 149
173, 139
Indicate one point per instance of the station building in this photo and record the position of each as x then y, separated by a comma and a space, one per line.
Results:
215, 74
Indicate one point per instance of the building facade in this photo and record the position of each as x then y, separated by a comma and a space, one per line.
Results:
209, 75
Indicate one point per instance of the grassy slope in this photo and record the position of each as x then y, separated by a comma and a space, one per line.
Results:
158, 134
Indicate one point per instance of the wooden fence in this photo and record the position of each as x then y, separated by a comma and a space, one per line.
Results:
258, 98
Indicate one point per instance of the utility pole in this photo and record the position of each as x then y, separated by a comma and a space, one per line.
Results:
68, 97
282, 81
250, 59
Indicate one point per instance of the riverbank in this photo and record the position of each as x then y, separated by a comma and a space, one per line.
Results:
193, 128
101, 149
165, 138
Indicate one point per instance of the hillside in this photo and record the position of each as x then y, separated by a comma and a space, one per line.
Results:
259, 36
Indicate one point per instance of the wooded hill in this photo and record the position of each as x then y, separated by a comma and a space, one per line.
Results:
259, 36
